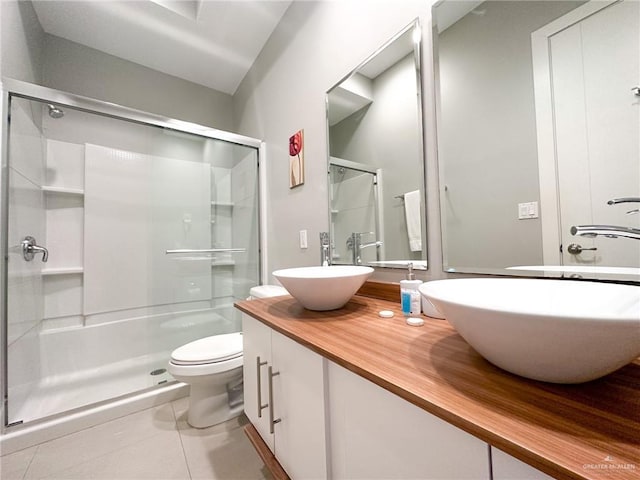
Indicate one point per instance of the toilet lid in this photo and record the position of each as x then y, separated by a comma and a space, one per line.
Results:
217, 348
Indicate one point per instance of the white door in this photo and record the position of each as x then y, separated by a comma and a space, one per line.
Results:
595, 64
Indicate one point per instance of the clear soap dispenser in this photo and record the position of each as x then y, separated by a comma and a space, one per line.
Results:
409, 294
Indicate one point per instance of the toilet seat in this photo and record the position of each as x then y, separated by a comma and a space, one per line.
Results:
208, 350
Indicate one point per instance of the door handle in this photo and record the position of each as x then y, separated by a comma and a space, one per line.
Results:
577, 249
30, 248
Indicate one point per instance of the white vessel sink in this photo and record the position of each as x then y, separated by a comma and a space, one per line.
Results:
323, 288
559, 331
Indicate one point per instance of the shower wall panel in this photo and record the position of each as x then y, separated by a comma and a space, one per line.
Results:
136, 207
65, 165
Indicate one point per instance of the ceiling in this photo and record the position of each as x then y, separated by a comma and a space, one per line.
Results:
209, 42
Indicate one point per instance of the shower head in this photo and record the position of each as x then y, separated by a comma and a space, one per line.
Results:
55, 112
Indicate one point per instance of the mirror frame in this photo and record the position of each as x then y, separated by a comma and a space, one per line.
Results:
416, 28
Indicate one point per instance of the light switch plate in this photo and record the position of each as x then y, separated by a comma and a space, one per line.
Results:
527, 210
303, 239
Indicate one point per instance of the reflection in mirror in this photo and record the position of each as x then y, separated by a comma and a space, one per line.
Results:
539, 132
376, 179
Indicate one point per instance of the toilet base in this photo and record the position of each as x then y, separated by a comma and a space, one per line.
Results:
206, 410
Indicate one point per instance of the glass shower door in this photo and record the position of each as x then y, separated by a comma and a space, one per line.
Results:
112, 200
354, 209
26, 226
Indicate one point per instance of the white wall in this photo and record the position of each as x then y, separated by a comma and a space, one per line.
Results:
313, 48
27, 53
487, 99
21, 42
72, 67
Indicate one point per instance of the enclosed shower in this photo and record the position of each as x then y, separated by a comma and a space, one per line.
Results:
125, 235
356, 212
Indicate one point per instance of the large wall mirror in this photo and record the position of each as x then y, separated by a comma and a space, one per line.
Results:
539, 137
375, 165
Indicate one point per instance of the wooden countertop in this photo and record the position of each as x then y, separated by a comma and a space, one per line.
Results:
587, 431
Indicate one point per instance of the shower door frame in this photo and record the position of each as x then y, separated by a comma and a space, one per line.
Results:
377, 192
15, 88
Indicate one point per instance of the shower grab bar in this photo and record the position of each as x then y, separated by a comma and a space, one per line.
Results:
205, 250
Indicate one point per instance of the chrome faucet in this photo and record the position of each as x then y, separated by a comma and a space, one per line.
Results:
609, 231
325, 249
356, 245
615, 201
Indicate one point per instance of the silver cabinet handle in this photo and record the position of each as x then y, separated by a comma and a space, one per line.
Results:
30, 248
272, 422
576, 249
261, 407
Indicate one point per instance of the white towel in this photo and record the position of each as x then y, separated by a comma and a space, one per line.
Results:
412, 213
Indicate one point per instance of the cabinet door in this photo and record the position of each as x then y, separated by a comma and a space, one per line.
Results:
505, 467
256, 348
299, 404
378, 435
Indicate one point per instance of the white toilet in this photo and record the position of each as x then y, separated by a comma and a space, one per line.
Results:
212, 366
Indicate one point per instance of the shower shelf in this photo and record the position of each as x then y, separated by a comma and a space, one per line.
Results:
62, 190
62, 271
222, 204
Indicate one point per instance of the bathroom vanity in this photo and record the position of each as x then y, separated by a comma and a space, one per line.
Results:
347, 394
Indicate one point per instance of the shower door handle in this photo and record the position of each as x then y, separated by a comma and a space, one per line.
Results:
30, 248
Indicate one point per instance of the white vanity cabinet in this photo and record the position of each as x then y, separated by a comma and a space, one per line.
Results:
506, 467
289, 410
378, 435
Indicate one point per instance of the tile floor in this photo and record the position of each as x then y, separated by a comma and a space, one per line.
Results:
156, 444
